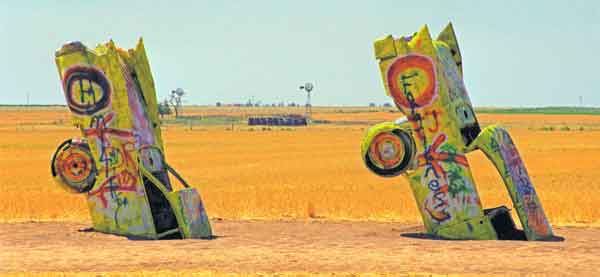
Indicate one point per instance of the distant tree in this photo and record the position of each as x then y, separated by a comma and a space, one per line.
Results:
219, 104
372, 104
387, 105
164, 108
176, 100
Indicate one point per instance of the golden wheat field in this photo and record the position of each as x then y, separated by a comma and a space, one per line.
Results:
304, 172
295, 201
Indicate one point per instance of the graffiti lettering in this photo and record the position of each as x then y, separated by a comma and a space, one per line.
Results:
434, 114
536, 219
110, 157
126, 149
99, 129
440, 199
436, 204
420, 70
87, 89
124, 181
416, 121
434, 185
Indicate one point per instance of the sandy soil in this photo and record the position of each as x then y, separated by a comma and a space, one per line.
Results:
312, 246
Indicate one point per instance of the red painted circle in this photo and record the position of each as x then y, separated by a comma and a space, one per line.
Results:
75, 165
378, 157
422, 97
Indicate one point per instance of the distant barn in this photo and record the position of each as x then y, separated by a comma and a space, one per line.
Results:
283, 120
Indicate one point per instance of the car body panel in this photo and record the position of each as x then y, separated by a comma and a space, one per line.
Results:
110, 93
424, 77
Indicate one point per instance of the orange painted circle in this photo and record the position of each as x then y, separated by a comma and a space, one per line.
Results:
74, 165
386, 150
415, 74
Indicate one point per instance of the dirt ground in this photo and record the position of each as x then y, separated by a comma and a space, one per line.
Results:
293, 246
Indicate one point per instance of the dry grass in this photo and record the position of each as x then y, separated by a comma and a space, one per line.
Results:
262, 274
313, 172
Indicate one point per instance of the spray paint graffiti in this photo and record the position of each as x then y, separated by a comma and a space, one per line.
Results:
436, 203
384, 150
414, 81
111, 94
99, 128
413, 85
87, 89
432, 158
123, 181
424, 77
536, 219
417, 86
116, 180
434, 115
75, 166
137, 104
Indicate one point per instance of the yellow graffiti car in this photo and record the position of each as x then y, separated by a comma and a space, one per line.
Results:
118, 164
428, 146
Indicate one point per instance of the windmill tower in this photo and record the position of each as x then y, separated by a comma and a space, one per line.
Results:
308, 87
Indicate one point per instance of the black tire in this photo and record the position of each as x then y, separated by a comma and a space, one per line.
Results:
409, 151
87, 181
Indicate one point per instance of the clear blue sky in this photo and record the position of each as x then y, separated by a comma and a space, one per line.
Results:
515, 53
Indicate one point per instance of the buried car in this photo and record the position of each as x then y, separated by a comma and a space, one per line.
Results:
119, 164
428, 146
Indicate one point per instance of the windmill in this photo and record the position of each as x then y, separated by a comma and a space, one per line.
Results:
308, 87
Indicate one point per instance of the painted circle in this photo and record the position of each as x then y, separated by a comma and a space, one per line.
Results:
386, 151
87, 89
415, 75
390, 153
74, 164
